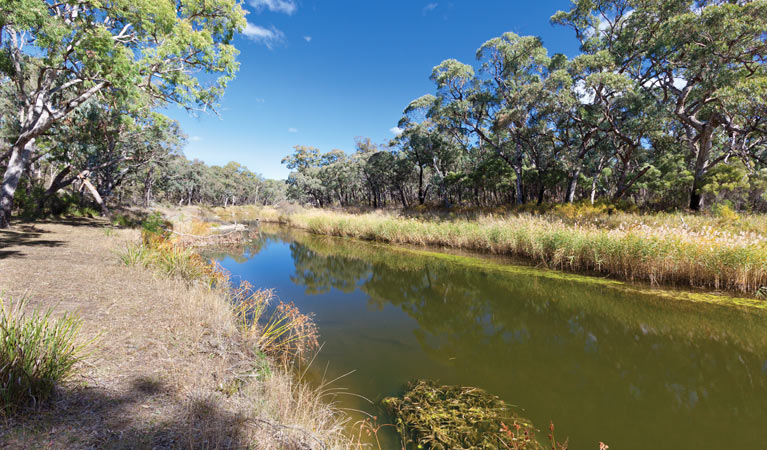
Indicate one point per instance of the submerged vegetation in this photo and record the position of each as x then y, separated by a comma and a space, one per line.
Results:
446, 417
37, 351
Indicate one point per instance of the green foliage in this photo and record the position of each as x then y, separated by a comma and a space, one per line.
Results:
37, 351
663, 108
172, 260
155, 225
725, 212
446, 417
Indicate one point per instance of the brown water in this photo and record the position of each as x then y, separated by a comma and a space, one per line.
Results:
634, 370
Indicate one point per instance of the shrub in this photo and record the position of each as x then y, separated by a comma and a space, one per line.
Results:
725, 212
36, 352
155, 224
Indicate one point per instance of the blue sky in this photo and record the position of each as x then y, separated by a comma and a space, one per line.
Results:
322, 72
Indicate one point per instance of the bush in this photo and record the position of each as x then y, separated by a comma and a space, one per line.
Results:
725, 212
36, 352
155, 224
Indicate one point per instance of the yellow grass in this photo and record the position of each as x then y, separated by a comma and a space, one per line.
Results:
171, 367
725, 253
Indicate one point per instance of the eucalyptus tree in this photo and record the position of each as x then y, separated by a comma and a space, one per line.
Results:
437, 124
515, 68
689, 55
304, 180
430, 141
57, 55
100, 145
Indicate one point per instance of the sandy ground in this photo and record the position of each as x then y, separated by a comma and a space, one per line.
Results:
162, 355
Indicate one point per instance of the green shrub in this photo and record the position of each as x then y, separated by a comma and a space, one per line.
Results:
155, 223
725, 212
36, 352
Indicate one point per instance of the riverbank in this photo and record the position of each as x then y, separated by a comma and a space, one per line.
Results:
727, 253
169, 368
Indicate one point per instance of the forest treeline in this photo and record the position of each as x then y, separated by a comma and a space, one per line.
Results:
665, 107
103, 156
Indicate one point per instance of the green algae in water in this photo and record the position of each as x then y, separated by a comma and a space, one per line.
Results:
604, 360
447, 417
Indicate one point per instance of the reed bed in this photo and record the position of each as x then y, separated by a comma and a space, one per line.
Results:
661, 250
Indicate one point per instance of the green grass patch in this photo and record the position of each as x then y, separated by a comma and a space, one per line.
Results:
37, 351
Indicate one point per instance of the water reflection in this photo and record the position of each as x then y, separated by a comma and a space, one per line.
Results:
635, 371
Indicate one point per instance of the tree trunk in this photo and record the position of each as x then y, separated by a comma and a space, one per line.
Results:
701, 168
96, 196
572, 185
402, 197
20, 156
421, 190
518, 199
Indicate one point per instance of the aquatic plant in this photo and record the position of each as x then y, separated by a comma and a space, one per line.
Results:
445, 417
282, 331
36, 352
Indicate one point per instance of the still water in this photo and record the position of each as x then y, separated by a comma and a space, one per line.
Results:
633, 370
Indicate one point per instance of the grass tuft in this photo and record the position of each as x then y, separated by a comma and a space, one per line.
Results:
36, 352
282, 332
172, 260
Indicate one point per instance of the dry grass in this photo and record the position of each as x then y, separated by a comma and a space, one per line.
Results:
724, 252
170, 368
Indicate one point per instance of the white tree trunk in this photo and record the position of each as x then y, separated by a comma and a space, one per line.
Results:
96, 196
20, 155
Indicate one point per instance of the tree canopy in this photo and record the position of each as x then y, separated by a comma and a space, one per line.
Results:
665, 97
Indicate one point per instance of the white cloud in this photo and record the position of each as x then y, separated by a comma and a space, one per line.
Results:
292, 130
267, 36
195, 139
308, 38
678, 82
429, 8
396, 130
283, 6
585, 94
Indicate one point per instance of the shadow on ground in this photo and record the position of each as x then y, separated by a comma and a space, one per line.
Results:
29, 234
149, 416
14, 240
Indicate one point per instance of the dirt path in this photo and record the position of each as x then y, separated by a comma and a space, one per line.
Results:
161, 353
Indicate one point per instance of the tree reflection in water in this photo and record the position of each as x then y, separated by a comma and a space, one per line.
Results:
633, 370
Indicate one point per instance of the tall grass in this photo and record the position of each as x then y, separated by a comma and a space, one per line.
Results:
660, 249
172, 260
282, 331
36, 352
